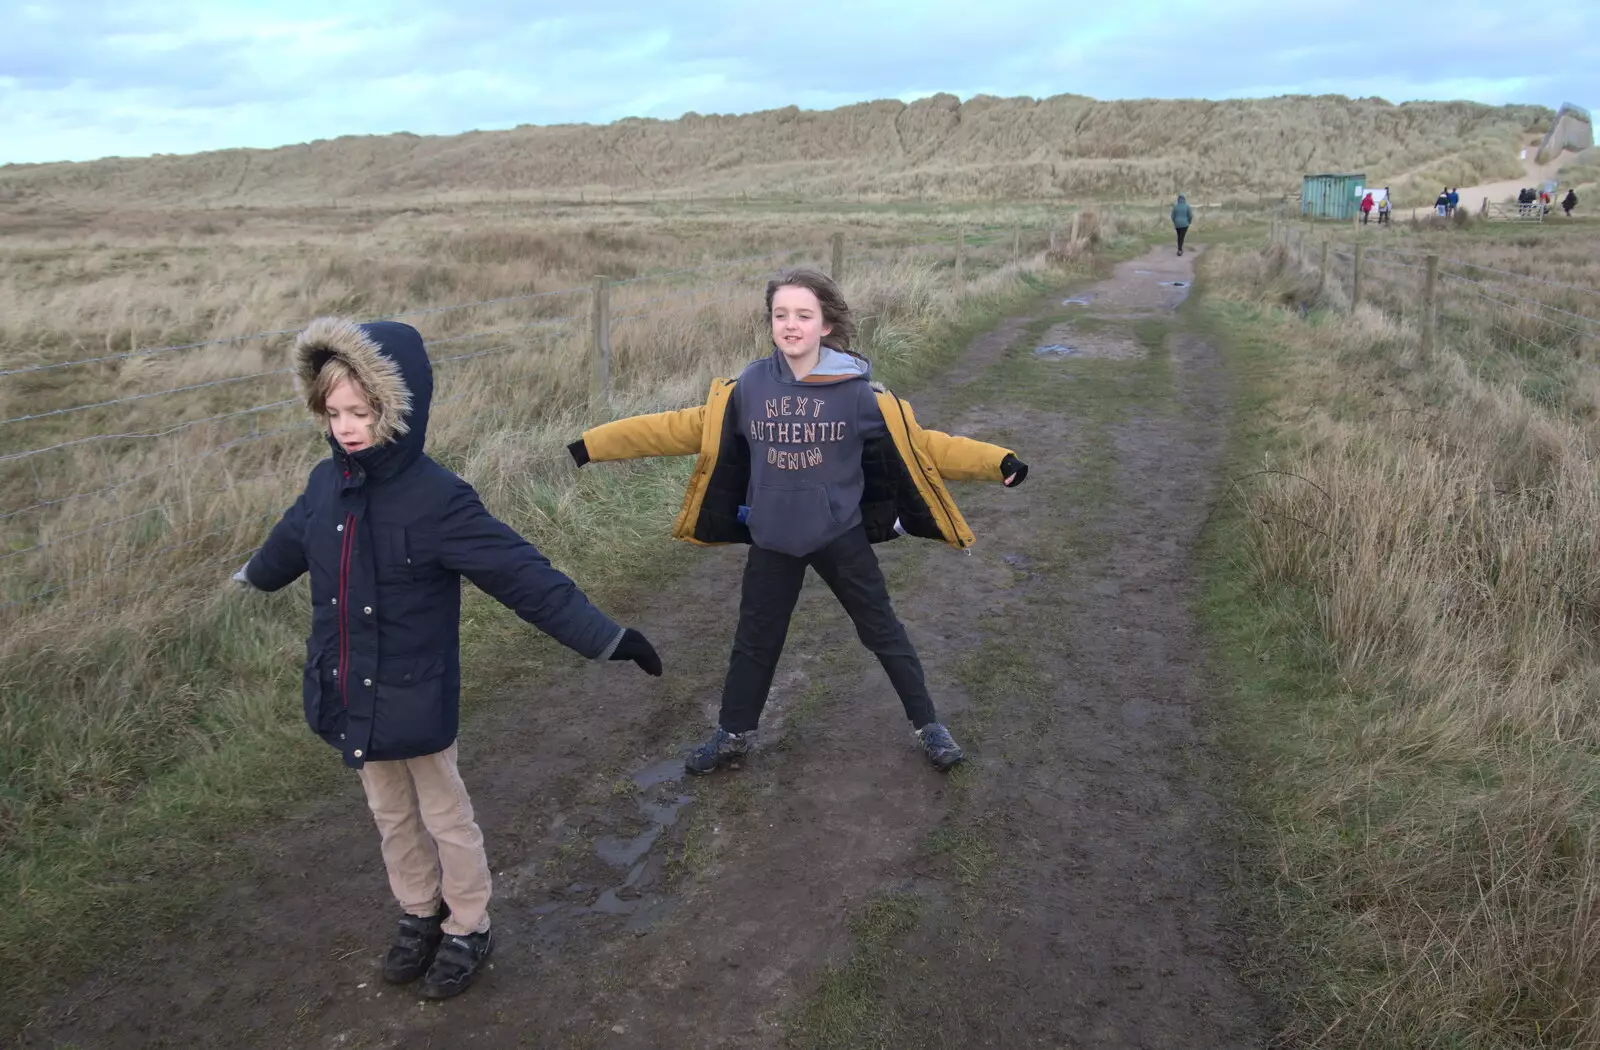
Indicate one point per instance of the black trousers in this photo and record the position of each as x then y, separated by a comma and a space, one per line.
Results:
1182, 231
772, 584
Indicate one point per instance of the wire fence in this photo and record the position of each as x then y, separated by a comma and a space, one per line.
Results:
1549, 321
66, 537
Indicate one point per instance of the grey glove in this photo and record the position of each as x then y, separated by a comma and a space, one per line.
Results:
244, 580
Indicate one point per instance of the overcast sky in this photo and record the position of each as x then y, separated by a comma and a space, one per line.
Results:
90, 78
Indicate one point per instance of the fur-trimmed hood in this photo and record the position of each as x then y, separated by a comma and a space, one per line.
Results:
391, 362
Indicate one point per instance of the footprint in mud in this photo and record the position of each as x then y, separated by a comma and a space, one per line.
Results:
1021, 565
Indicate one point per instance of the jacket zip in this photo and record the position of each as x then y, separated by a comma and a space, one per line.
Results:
344, 606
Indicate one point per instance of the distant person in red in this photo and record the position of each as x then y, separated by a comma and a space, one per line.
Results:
1366, 208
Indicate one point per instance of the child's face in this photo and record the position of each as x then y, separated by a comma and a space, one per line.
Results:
350, 416
797, 327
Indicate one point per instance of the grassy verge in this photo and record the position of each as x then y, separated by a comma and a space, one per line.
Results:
1399, 591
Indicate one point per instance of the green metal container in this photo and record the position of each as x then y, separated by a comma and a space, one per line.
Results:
1332, 195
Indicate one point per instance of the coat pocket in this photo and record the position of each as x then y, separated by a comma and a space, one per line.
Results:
406, 553
409, 713
319, 694
392, 555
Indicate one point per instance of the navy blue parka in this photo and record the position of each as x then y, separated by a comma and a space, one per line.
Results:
387, 534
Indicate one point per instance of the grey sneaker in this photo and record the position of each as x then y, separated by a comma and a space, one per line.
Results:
723, 749
940, 747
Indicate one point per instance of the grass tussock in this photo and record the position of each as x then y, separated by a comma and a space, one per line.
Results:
937, 148
846, 1009
1418, 569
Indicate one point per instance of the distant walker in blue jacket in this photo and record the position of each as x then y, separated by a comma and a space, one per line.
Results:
386, 534
1182, 216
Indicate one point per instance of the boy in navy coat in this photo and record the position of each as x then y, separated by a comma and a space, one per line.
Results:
387, 534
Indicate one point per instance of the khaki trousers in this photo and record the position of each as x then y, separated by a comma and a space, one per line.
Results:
431, 845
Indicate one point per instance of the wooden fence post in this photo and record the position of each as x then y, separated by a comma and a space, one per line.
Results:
1053, 232
837, 272
1016, 241
961, 246
1322, 282
1355, 294
600, 342
1077, 226
1429, 306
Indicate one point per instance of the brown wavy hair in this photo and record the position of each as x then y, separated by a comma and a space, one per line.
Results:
835, 311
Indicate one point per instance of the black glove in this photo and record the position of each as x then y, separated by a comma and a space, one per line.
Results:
1009, 466
580, 452
634, 646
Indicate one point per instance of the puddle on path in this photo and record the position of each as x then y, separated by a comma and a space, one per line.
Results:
666, 771
1066, 342
624, 852
659, 804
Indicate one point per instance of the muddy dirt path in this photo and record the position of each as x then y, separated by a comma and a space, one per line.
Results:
1062, 889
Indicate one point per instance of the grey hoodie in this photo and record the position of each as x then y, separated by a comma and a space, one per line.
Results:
806, 438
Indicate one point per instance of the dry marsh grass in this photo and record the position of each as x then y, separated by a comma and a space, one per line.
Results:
1066, 146
148, 707
1425, 532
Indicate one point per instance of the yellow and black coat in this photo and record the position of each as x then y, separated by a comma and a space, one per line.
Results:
905, 472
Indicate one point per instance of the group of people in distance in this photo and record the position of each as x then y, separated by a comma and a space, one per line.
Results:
1529, 199
1381, 206
1449, 200
803, 457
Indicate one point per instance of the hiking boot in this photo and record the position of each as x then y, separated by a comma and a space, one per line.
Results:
456, 965
940, 747
723, 749
414, 944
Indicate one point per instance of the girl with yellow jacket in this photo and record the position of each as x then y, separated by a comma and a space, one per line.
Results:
809, 462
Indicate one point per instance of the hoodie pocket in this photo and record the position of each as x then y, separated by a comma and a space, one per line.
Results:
791, 520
